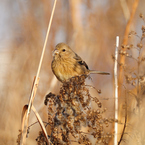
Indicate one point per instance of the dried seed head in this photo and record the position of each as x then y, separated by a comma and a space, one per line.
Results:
143, 58
99, 91
143, 29
139, 45
141, 15
70, 110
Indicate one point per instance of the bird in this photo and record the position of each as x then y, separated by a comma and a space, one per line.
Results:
67, 64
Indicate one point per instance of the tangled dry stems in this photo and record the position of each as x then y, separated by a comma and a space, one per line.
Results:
71, 110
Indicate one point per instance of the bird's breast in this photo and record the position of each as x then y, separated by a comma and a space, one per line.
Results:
66, 68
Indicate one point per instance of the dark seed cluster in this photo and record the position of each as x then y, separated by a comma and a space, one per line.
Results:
71, 110
41, 139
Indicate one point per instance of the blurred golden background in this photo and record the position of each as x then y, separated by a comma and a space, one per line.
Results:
89, 27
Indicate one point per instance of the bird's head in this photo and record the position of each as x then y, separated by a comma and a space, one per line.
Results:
62, 50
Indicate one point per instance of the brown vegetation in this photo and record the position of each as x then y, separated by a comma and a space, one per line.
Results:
90, 28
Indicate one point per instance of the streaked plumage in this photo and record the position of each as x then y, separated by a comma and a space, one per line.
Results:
66, 63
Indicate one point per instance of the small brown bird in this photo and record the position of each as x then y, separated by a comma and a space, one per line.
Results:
66, 64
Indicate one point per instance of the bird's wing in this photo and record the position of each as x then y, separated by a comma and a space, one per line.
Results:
80, 61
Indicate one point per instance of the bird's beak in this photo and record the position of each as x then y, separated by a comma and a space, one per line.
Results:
55, 52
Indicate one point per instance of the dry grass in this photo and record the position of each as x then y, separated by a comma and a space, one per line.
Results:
100, 24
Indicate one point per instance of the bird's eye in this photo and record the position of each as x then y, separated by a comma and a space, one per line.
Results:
63, 50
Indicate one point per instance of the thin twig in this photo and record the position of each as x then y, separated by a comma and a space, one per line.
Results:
35, 84
116, 91
125, 123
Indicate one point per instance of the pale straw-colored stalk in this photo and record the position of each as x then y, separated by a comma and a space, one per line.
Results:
25, 118
116, 91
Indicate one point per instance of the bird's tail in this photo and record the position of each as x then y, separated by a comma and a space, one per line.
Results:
99, 72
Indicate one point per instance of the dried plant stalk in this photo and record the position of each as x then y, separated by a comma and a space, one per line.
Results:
125, 41
40, 123
116, 91
35, 84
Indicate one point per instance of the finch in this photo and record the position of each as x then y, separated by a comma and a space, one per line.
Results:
66, 64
